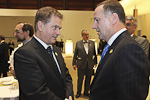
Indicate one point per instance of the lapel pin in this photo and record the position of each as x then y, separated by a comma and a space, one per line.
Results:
56, 54
111, 51
90, 44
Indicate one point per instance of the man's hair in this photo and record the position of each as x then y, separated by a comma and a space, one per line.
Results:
131, 18
2, 37
44, 14
83, 31
28, 27
144, 36
113, 6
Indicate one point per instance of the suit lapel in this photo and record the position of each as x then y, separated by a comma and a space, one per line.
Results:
110, 51
59, 60
44, 54
89, 46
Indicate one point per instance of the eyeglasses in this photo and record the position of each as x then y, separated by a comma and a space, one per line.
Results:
86, 34
18, 31
128, 24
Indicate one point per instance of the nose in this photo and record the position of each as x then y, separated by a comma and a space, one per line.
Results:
58, 32
14, 33
94, 26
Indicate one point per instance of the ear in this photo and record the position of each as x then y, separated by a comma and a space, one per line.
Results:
115, 18
40, 25
27, 32
135, 26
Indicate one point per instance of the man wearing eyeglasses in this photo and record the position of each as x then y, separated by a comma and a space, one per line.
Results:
23, 33
131, 25
84, 60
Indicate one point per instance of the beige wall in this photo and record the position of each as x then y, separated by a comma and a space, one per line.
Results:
145, 26
72, 24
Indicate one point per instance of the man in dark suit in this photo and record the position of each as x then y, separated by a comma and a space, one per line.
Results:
4, 56
39, 66
123, 72
84, 60
131, 25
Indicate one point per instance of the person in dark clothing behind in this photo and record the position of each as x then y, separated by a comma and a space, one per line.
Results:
11, 46
102, 44
4, 57
61, 44
144, 36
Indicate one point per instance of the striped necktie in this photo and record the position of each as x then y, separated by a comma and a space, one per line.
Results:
104, 52
50, 51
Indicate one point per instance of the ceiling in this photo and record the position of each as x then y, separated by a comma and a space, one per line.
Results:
58, 4
87, 5
143, 6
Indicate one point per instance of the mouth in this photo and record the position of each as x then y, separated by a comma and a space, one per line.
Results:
54, 37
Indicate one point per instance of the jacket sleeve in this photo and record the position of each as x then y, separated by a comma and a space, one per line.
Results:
145, 46
75, 57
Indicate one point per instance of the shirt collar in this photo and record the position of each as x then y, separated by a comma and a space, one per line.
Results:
84, 41
2, 41
131, 35
42, 43
112, 39
26, 41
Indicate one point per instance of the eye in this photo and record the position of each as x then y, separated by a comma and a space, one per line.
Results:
96, 20
56, 27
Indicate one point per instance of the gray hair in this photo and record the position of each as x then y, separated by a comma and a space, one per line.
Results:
131, 18
83, 31
113, 6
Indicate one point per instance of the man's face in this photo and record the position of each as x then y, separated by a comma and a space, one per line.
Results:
102, 23
130, 26
19, 34
51, 30
85, 36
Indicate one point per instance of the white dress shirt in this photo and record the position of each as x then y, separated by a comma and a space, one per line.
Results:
112, 39
86, 46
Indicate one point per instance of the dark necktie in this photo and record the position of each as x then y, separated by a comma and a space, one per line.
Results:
50, 51
104, 52
54, 58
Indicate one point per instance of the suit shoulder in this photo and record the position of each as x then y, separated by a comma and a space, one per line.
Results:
91, 41
141, 39
79, 41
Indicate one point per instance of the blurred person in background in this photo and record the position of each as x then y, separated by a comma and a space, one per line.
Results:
84, 60
131, 25
4, 56
23, 33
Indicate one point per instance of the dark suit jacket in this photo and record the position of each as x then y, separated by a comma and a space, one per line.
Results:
123, 72
38, 76
81, 58
4, 57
